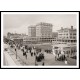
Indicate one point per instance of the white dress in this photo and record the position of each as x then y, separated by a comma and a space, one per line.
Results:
65, 62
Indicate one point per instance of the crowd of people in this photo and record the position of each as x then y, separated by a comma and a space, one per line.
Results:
38, 53
61, 57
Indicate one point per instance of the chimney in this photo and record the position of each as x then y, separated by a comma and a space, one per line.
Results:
71, 27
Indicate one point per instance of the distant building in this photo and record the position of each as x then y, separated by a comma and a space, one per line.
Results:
54, 34
66, 42
32, 31
16, 38
67, 35
44, 30
13, 35
31, 40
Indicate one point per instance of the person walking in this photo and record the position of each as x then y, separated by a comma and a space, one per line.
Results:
26, 55
66, 61
23, 51
26, 51
15, 47
15, 51
43, 63
32, 52
42, 54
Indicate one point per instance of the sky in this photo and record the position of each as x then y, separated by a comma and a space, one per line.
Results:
19, 22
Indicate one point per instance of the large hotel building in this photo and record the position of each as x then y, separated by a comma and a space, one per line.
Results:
32, 31
42, 32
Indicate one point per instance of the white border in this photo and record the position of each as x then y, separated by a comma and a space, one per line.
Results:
40, 13
77, 13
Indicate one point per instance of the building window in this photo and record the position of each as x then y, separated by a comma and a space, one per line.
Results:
74, 37
66, 34
74, 34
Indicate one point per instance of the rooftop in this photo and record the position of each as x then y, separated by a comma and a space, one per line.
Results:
44, 24
62, 29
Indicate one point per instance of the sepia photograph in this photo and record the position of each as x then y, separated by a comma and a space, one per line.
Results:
39, 40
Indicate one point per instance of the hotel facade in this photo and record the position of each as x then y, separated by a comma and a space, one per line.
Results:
66, 42
41, 32
67, 35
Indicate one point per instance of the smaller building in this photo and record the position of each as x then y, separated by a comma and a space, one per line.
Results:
16, 38
18, 41
32, 31
31, 40
67, 34
69, 49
